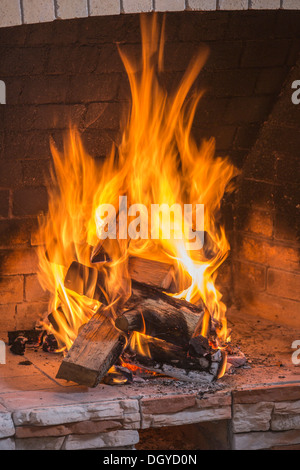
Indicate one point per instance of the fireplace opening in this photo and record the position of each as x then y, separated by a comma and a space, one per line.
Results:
206, 117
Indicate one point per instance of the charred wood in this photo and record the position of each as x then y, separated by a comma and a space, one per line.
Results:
157, 314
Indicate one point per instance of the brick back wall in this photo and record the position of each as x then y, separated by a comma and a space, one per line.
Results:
70, 71
267, 218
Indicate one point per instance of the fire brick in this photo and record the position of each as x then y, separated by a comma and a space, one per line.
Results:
29, 313
248, 109
30, 201
19, 117
242, 24
11, 289
16, 231
21, 261
59, 116
103, 116
270, 80
256, 221
213, 27
283, 284
44, 89
272, 308
88, 88
269, 53
33, 290
67, 59
268, 253
10, 174
250, 276
22, 61
4, 203
8, 320
32, 144
36, 172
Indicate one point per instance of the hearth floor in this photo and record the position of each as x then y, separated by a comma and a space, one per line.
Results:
33, 397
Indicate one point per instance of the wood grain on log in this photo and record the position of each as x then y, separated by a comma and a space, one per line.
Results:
85, 280
94, 351
89, 281
151, 272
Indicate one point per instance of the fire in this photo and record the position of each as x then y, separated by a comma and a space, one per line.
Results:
157, 162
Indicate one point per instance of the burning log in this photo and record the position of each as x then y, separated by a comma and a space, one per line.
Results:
151, 272
89, 281
170, 322
165, 358
161, 316
18, 346
118, 375
94, 352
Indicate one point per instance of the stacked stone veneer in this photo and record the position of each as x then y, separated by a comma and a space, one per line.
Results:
259, 418
70, 70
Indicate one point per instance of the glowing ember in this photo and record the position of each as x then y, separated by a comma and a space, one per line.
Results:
157, 162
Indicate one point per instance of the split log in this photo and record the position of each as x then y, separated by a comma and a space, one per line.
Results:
151, 272
89, 281
105, 250
95, 350
156, 314
85, 280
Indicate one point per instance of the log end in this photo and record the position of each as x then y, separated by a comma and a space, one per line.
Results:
122, 324
79, 374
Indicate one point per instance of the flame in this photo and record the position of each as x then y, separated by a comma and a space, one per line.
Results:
157, 162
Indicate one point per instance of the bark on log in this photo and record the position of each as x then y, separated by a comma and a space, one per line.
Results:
94, 351
156, 314
171, 360
156, 351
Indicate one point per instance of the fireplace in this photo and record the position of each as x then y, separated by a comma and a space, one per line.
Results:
69, 72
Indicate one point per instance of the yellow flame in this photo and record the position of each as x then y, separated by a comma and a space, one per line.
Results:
157, 162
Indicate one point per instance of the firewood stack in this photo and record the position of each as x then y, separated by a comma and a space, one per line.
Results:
168, 328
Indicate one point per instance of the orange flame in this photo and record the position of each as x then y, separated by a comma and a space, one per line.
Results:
157, 162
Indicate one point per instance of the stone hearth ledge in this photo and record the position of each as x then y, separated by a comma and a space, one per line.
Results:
260, 417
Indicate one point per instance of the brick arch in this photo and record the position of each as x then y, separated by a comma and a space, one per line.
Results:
17, 12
